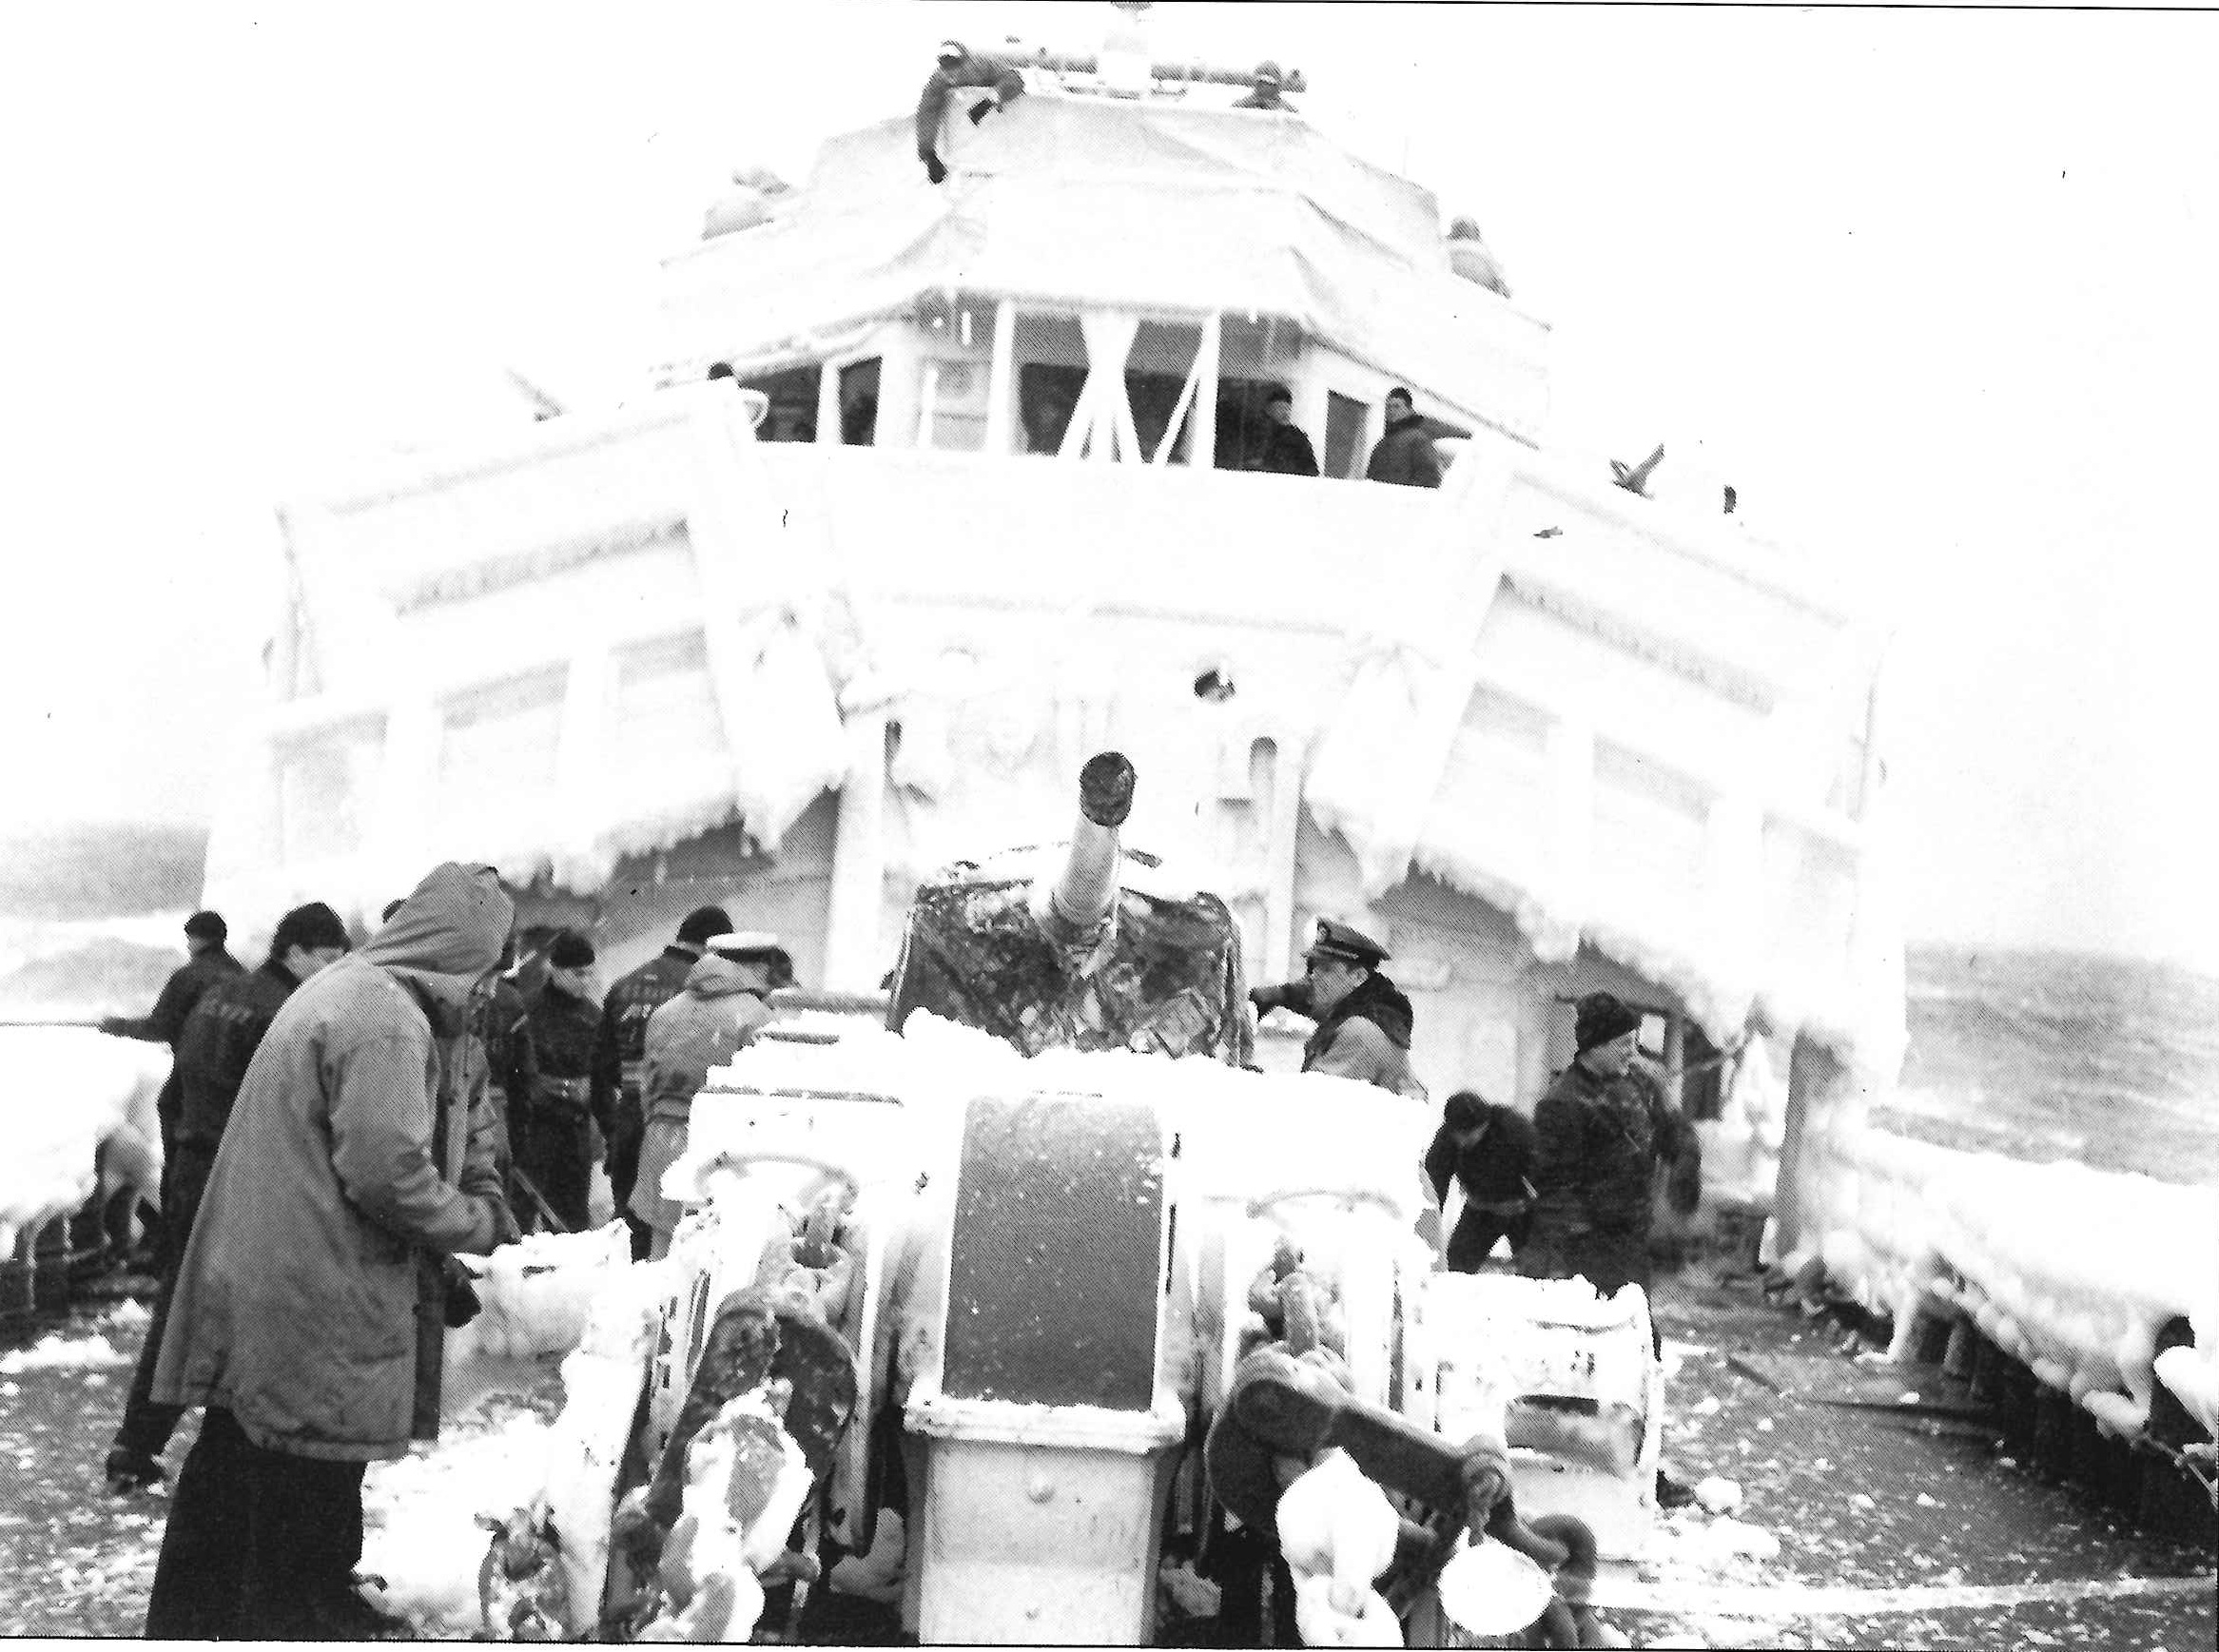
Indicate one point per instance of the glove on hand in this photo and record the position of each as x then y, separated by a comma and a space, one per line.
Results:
462, 1300
982, 111
934, 171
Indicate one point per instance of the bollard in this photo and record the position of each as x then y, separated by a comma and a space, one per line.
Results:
1965, 1336
2015, 1399
2086, 1454
1931, 1336
15, 1282
50, 1285
1988, 1368
2052, 1433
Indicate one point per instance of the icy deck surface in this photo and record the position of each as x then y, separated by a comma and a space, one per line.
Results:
79, 1560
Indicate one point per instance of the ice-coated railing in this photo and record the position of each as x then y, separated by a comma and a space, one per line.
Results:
2072, 1271
71, 1091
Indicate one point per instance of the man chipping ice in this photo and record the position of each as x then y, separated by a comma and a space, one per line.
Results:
311, 1302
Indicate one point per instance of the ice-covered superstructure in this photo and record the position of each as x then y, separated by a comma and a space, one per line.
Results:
1539, 733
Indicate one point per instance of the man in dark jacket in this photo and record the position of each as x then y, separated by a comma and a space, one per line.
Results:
219, 1040
207, 962
499, 1014
958, 66
1405, 455
1604, 1127
620, 1046
1490, 1151
1285, 450
1364, 1022
311, 1305
551, 1134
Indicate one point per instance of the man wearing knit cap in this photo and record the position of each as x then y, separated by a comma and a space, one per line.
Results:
218, 1038
551, 1136
724, 1004
620, 1047
1603, 1126
312, 1301
1364, 1022
205, 963
1405, 455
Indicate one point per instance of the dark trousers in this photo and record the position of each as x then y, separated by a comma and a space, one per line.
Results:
258, 1541
147, 1426
1473, 1238
556, 1151
1608, 1259
625, 1132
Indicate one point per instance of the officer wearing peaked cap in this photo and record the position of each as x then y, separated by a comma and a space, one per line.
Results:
1364, 1022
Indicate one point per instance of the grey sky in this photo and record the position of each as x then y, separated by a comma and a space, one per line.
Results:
1932, 289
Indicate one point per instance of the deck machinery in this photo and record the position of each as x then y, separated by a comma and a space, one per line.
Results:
1043, 1268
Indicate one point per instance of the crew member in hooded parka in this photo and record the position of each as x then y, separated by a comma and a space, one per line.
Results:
313, 1301
226, 1026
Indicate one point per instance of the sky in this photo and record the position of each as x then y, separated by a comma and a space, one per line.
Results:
1933, 288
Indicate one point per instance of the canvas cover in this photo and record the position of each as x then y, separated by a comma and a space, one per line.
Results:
1082, 202
1166, 978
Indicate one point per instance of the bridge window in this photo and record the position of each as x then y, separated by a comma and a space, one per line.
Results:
1142, 408
1243, 427
794, 404
1046, 395
859, 403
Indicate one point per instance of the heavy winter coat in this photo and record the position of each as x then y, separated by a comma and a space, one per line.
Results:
1600, 1142
1365, 1036
563, 1030
719, 1012
1286, 450
1405, 456
164, 1024
219, 1041
940, 88
499, 1014
620, 1044
357, 1156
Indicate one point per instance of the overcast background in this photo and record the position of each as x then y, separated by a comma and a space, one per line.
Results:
1935, 290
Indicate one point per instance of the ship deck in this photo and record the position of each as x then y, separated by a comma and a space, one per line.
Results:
1900, 1525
